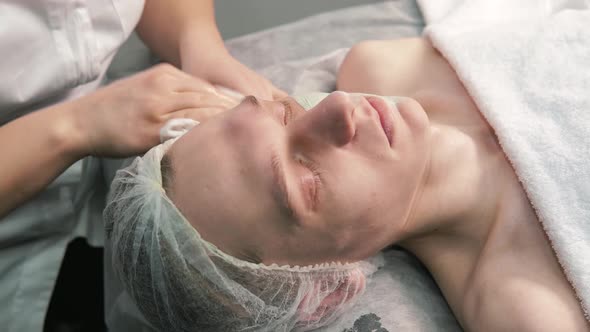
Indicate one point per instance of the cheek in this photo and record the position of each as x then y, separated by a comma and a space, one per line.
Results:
384, 196
362, 198
376, 203
413, 114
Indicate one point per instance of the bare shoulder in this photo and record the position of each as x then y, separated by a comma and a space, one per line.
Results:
385, 67
518, 284
399, 67
520, 304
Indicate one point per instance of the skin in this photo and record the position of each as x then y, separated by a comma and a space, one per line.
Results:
443, 190
184, 33
476, 231
122, 119
342, 137
53, 138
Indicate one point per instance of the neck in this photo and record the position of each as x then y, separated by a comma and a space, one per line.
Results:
461, 188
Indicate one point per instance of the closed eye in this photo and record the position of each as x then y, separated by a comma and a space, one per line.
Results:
288, 114
312, 183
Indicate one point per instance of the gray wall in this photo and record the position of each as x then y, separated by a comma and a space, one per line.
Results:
239, 17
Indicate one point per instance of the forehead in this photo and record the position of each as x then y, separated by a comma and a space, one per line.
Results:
220, 185
209, 165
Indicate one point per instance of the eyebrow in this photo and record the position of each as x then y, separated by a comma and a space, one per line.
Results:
251, 100
279, 184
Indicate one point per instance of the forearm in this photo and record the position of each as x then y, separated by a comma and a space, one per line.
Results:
119, 120
35, 149
184, 33
169, 26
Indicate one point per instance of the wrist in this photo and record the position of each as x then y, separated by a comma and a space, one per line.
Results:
199, 44
68, 133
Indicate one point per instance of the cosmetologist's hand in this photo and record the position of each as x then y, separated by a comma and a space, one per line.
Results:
125, 117
220, 68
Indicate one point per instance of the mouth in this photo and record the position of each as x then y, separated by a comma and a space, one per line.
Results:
384, 110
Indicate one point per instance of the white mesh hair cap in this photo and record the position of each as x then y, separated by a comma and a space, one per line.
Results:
181, 282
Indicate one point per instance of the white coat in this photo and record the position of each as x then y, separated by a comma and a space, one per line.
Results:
52, 50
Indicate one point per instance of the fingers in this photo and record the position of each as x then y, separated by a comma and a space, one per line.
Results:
186, 83
184, 100
264, 91
241, 89
189, 83
198, 114
246, 85
229, 93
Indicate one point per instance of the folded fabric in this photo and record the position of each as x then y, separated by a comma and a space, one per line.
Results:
175, 128
526, 65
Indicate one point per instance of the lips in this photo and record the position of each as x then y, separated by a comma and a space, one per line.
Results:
383, 109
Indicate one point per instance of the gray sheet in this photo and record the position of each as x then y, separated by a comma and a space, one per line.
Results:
282, 53
304, 56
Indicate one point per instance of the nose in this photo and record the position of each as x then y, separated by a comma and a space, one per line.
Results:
329, 122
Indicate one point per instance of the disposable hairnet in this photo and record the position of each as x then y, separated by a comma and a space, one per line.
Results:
181, 282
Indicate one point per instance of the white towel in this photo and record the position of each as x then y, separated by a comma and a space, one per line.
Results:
526, 64
176, 127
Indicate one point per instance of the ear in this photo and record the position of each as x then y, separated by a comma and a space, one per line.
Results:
318, 304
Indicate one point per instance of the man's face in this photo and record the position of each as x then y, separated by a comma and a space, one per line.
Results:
270, 182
